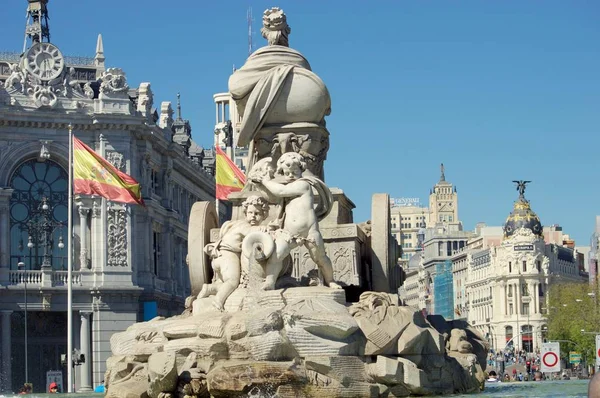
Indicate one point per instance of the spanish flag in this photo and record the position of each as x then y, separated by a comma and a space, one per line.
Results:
94, 175
229, 177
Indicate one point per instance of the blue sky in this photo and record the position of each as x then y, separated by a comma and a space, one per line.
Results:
496, 90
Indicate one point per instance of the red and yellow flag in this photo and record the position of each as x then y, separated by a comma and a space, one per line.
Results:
229, 177
94, 175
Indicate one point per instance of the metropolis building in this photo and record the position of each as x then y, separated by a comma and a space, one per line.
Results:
129, 261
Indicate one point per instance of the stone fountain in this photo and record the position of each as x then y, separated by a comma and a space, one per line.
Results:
291, 298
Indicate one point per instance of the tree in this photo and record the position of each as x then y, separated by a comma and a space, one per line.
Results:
574, 307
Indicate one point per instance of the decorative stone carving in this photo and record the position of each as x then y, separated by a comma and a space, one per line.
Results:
117, 236
226, 254
16, 79
145, 168
116, 159
297, 222
458, 342
166, 115
88, 91
96, 209
44, 94
113, 81
70, 84
145, 100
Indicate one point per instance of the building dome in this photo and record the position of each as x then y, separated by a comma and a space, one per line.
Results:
522, 217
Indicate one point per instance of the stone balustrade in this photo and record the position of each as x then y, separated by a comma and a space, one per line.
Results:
41, 278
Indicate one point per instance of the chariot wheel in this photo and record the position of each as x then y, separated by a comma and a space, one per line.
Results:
203, 218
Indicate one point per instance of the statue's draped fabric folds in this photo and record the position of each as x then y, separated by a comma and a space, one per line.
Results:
290, 296
257, 85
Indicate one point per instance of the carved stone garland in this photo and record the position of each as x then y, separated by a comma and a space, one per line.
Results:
117, 236
116, 159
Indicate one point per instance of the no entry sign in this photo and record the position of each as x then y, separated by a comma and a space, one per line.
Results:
550, 357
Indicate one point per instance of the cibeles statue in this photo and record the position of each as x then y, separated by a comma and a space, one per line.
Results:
283, 104
258, 321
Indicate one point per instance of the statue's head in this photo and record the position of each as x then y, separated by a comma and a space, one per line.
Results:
275, 28
291, 165
255, 209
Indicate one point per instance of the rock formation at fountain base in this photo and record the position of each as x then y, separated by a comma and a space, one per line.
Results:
296, 342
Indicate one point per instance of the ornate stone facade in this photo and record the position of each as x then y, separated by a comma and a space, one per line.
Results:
124, 269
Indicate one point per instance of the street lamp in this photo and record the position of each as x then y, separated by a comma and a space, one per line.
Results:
41, 227
21, 266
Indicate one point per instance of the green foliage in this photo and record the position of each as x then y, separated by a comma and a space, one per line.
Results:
573, 307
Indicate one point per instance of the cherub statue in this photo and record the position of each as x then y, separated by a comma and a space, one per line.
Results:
16, 77
298, 217
226, 252
70, 82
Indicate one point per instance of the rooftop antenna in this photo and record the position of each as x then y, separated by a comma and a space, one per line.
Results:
249, 19
36, 23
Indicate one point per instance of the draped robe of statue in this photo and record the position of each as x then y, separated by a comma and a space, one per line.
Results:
256, 88
256, 85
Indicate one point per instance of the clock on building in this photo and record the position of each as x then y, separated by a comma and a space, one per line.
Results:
44, 61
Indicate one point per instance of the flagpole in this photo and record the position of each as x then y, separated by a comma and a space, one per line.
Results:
216, 199
70, 268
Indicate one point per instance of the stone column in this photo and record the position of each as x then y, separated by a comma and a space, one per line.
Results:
85, 343
6, 369
5, 195
536, 298
4, 235
98, 234
167, 252
502, 295
517, 298
83, 230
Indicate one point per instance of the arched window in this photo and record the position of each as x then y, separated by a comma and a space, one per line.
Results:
33, 182
509, 333
527, 337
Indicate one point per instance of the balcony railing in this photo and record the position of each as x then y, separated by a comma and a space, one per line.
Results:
41, 278
59, 278
28, 276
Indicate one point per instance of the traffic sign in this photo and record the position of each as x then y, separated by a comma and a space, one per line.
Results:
575, 357
550, 357
54, 376
598, 351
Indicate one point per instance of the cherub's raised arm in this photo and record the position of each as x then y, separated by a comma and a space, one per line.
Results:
292, 189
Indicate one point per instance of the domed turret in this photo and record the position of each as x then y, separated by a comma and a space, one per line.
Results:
522, 216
